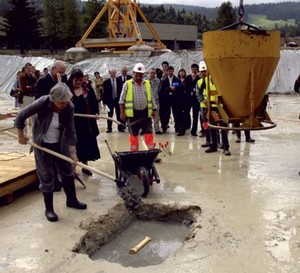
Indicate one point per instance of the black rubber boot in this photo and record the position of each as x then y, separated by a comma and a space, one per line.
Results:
69, 188
50, 214
57, 185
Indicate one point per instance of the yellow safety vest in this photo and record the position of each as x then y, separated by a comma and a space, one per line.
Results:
129, 98
212, 87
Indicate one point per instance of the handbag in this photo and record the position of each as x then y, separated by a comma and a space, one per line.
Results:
13, 93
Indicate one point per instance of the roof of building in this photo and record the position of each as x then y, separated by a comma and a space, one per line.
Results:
170, 32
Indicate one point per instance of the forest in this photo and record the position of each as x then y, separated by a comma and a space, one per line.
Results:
60, 24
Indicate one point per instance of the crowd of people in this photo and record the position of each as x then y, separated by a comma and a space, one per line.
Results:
64, 112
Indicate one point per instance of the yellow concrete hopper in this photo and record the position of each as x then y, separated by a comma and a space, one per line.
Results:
242, 63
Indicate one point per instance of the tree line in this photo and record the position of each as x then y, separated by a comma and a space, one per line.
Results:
36, 24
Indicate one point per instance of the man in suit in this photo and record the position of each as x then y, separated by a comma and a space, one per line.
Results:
171, 98
112, 88
55, 75
124, 76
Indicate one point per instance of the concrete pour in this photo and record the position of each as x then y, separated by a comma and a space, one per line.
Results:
250, 205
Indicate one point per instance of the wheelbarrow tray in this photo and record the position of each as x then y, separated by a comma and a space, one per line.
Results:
132, 161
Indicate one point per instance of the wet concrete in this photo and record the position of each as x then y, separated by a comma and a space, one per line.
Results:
166, 239
250, 205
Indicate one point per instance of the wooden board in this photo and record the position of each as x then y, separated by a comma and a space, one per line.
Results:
17, 171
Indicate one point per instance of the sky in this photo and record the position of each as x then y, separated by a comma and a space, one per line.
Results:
211, 3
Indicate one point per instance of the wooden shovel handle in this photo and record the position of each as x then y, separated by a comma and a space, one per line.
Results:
100, 117
63, 157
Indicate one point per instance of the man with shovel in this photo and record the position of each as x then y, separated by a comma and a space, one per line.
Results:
53, 129
137, 106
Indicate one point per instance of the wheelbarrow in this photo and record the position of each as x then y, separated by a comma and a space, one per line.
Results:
136, 168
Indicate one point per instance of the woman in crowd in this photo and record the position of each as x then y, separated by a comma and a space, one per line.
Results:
181, 75
85, 102
98, 83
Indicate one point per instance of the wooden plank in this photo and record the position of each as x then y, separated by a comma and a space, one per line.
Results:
17, 171
18, 183
15, 165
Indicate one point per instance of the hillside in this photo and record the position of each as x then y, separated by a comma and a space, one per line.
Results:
277, 11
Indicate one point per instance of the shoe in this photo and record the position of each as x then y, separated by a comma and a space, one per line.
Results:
181, 134
211, 150
108, 131
238, 140
121, 131
251, 140
87, 172
157, 160
202, 134
158, 133
206, 144
194, 134
226, 152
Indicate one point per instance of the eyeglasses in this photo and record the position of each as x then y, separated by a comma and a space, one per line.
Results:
78, 80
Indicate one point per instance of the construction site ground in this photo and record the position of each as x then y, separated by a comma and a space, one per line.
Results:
250, 204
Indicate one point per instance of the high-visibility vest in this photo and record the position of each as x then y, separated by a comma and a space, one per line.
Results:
129, 98
212, 87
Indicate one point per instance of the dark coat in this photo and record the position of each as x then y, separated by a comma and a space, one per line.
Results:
86, 128
127, 77
165, 91
108, 92
44, 85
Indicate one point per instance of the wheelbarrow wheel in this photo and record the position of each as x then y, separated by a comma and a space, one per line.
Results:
143, 175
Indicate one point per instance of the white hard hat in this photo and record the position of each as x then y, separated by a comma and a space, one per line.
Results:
139, 68
202, 66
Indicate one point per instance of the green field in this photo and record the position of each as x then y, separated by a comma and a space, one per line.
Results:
261, 20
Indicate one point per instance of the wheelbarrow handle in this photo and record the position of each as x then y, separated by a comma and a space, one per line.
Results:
63, 157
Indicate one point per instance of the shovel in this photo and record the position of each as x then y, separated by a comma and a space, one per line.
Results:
132, 200
108, 118
99, 117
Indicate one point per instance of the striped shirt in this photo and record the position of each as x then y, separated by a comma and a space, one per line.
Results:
139, 96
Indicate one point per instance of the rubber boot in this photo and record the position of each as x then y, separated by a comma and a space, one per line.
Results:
69, 188
57, 185
57, 182
50, 214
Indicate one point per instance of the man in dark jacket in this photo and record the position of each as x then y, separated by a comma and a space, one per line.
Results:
191, 101
55, 75
171, 98
124, 75
112, 88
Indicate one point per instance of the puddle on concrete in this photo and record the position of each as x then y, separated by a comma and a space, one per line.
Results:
111, 236
166, 239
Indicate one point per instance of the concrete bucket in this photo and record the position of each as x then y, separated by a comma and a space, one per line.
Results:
241, 64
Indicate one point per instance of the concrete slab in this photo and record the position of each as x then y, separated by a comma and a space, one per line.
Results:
250, 205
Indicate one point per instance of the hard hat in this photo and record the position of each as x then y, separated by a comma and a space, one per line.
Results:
139, 68
202, 66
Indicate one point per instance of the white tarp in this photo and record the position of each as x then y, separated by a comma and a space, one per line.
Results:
283, 79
